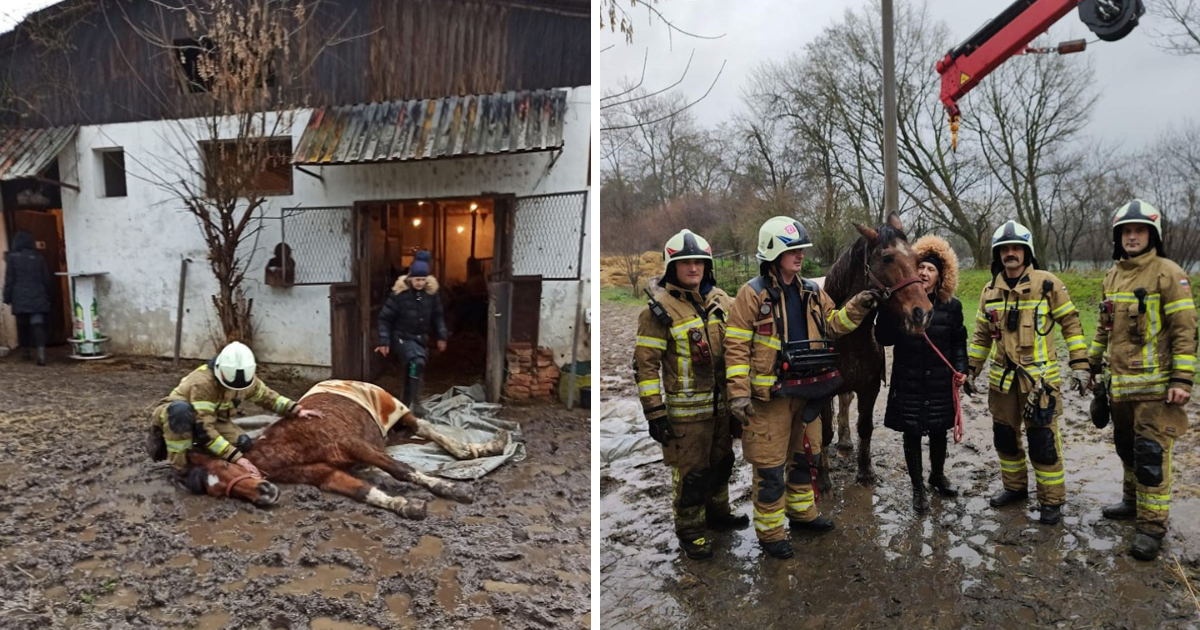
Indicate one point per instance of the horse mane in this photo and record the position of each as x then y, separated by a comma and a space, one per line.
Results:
847, 277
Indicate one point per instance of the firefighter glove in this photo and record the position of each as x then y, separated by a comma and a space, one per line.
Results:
1082, 380
867, 299
742, 409
660, 430
968, 385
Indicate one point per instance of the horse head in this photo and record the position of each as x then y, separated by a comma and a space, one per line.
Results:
217, 477
890, 267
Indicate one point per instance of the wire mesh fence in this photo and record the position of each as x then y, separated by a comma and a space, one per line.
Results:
321, 243
548, 237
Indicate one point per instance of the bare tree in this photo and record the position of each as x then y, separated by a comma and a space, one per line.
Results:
1180, 33
242, 67
1171, 176
1033, 110
1088, 190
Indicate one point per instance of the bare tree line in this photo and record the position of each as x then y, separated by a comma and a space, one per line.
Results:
808, 143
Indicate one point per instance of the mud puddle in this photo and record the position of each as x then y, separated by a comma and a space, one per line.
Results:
962, 565
94, 536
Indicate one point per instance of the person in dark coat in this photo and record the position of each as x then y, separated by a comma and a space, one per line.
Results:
404, 323
921, 397
27, 289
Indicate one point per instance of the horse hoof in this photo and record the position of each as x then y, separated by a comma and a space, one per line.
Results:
268, 494
845, 448
414, 510
866, 477
462, 495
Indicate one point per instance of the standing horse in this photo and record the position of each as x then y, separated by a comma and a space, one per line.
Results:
880, 259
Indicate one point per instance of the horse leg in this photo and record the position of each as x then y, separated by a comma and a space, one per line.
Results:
845, 443
403, 472
866, 426
331, 479
458, 448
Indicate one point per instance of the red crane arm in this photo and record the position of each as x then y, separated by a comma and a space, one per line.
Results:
1004, 36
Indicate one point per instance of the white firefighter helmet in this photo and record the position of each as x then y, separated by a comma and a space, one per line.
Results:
686, 245
1137, 211
235, 366
780, 234
1012, 233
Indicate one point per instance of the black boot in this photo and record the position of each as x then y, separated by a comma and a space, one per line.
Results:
41, 355
912, 460
1146, 547
1007, 497
726, 522
1123, 511
412, 385
821, 524
39, 339
697, 549
937, 466
1050, 514
781, 549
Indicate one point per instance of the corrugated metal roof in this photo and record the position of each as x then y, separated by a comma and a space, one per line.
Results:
454, 126
27, 152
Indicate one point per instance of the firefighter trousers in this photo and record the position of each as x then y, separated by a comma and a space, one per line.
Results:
773, 443
701, 461
180, 442
1144, 433
1045, 447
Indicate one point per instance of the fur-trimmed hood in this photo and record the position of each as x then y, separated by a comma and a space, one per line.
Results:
431, 285
936, 245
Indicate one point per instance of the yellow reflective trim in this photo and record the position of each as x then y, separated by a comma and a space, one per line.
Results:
763, 380
204, 405
770, 342
685, 326
649, 388
178, 446
738, 333
218, 445
1097, 348
1049, 478
652, 342
980, 316
1063, 310
737, 370
845, 319
675, 412
1178, 305
771, 520
690, 398
1076, 343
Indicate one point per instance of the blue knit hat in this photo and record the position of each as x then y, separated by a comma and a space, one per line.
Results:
420, 266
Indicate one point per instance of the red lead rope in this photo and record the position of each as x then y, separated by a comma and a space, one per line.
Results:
959, 377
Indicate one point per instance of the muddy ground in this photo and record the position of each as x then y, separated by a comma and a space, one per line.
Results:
964, 565
93, 535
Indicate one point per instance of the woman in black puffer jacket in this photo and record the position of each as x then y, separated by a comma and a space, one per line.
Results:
27, 284
921, 397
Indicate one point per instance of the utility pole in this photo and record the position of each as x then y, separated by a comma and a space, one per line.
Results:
891, 173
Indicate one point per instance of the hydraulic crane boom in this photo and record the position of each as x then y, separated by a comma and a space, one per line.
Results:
1009, 34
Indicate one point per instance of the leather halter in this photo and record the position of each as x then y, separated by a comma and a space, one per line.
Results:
885, 292
242, 477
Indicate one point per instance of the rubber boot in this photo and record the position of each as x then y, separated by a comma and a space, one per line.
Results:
1124, 511
1050, 514
937, 466
781, 549
39, 339
1146, 547
1008, 497
820, 525
912, 460
698, 549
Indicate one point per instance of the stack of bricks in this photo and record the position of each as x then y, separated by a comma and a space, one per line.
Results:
531, 374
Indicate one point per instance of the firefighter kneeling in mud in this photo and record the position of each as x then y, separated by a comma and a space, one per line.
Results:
1148, 331
781, 374
199, 411
679, 364
1017, 313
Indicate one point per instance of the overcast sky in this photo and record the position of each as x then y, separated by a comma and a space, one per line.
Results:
1143, 91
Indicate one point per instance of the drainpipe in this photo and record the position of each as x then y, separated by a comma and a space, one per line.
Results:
179, 312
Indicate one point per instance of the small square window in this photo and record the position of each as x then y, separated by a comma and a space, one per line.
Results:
113, 164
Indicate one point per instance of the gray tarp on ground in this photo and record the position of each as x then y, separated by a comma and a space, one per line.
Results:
624, 440
460, 413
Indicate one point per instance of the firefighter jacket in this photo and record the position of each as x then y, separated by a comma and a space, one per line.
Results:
753, 343
1015, 326
215, 404
683, 360
1152, 342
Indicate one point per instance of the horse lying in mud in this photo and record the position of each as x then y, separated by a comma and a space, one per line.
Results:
355, 421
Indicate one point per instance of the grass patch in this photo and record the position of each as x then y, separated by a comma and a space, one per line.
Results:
620, 295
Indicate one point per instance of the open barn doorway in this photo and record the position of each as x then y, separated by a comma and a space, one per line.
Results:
463, 237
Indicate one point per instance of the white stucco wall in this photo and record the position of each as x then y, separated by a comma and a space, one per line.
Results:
140, 239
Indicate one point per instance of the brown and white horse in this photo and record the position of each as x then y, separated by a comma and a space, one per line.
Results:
321, 451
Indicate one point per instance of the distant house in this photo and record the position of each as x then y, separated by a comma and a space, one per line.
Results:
457, 126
